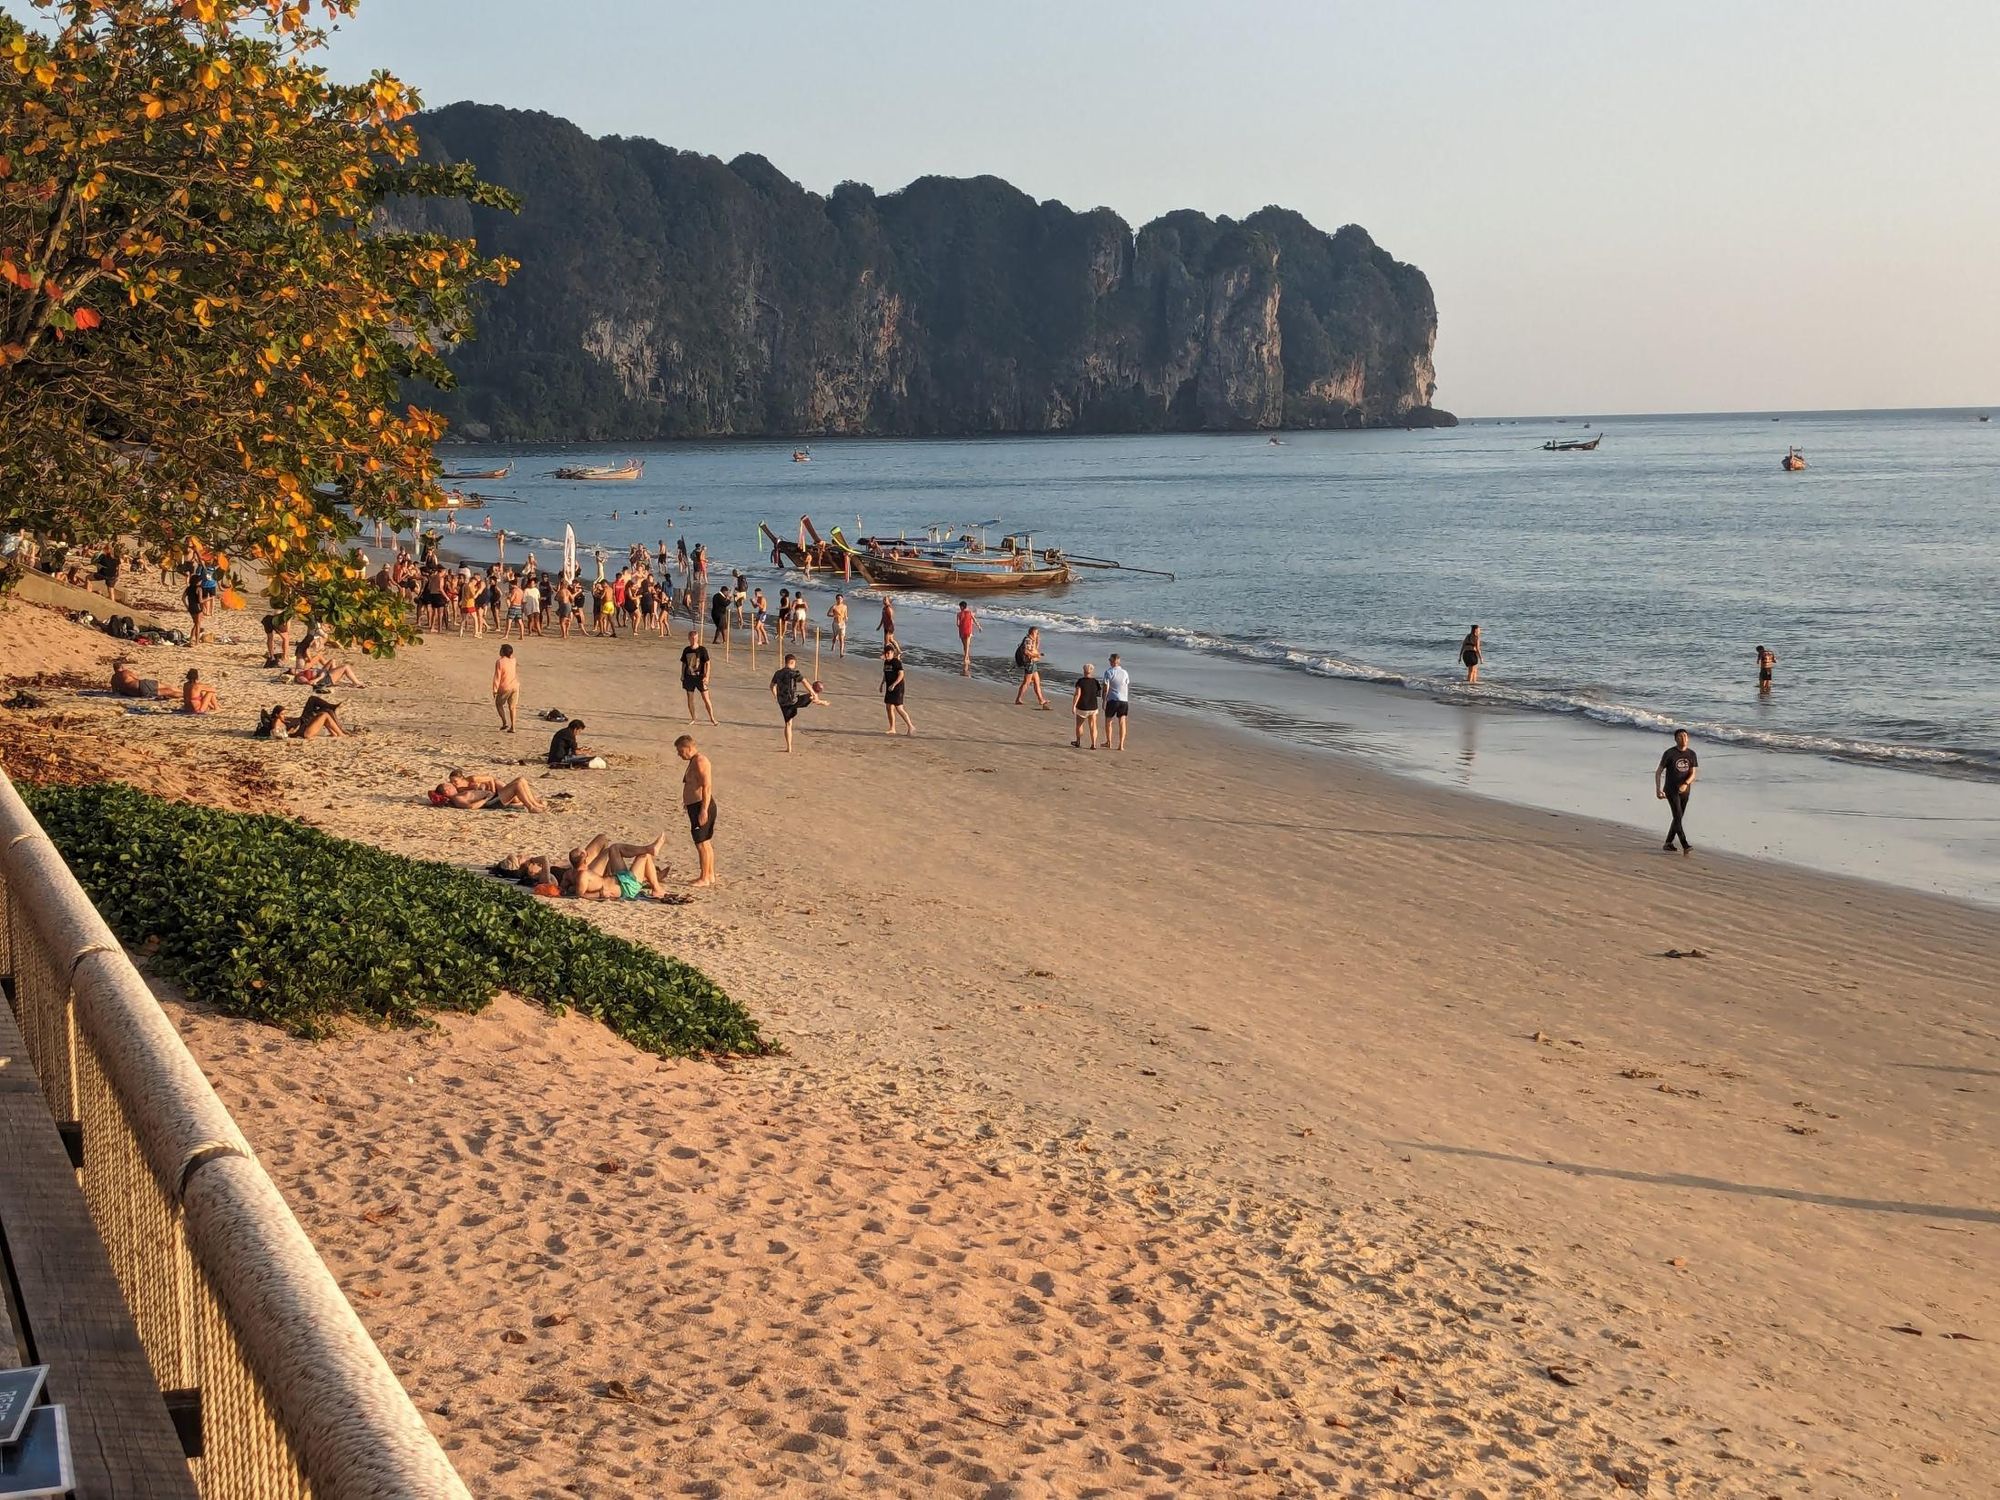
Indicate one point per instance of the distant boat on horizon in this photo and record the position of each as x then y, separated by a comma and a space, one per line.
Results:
1575, 445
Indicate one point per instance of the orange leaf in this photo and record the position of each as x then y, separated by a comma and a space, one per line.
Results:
85, 318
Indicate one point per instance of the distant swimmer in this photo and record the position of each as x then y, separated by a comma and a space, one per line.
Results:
1470, 651
1767, 661
1673, 781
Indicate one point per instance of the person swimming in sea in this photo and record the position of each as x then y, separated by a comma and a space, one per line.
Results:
1470, 651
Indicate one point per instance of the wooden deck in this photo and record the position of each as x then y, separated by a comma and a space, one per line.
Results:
65, 1307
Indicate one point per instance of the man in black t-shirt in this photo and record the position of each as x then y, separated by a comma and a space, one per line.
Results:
694, 675
1673, 780
563, 748
793, 692
1085, 703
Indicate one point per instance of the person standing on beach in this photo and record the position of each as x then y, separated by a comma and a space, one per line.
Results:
1028, 662
1117, 702
968, 623
1673, 781
894, 682
759, 616
506, 687
1470, 651
1084, 703
192, 597
698, 798
888, 622
695, 667
836, 614
1767, 661
793, 692
718, 615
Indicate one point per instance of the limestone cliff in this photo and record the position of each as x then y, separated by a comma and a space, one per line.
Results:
666, 294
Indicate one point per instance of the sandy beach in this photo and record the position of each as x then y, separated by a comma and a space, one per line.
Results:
1215, 1118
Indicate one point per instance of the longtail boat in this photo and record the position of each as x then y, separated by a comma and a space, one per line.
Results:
810, 551
499, 473
957, 572
1793, 461
602, 471
1575, 445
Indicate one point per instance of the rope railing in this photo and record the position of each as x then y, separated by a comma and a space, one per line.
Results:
230, 1299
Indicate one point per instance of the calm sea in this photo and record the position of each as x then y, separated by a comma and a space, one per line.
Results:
1630, 585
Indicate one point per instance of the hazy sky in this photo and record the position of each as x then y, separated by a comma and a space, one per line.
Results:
1782, 204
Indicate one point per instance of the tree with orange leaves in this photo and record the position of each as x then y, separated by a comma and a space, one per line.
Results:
204, 318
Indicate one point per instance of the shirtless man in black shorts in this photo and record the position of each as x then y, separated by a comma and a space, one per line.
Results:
698, 798
695, 667
1767, 660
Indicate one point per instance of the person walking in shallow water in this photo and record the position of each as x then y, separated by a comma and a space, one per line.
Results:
968, 625
1028, 662
1673, 781
1767, 661
1470, 652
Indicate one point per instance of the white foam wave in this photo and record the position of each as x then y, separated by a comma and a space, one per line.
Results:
1584, 702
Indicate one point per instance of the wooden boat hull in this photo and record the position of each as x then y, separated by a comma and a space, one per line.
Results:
500, 473
597, 474
947, 578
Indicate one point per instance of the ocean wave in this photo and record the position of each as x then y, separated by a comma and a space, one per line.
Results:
1588, 701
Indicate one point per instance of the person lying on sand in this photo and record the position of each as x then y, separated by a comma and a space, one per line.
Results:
319, 717
485, 792
604, 871
197, 697
126, 683
600, 871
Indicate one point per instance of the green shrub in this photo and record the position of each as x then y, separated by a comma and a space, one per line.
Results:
273, 920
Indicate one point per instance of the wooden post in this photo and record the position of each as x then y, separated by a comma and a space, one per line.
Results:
815, 653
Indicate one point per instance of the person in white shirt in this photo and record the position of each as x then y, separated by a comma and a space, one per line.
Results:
1117, 702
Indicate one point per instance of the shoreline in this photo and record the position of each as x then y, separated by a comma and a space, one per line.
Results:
1903, 827
1433, 1035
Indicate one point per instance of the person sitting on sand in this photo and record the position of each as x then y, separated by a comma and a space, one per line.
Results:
564, 750
126, 683
462, 790
320, 672
197, 697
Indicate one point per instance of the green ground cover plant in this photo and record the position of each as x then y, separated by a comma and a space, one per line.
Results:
272, 920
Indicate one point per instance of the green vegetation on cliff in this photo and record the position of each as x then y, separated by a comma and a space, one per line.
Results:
667, 294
